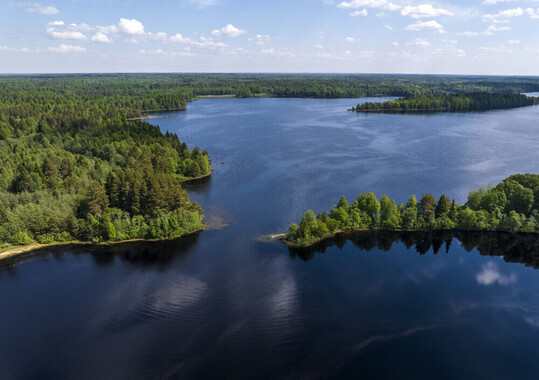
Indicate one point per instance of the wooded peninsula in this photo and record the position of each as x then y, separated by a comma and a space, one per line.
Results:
512, 206
462, 102
73, 168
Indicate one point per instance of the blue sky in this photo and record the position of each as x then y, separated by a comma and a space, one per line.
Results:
355, 36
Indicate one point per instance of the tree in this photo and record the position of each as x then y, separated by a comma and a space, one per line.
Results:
409, 218
453, 211
388, 213
370, 205
466, 219
510, 222
97, 198
343, 203
427, 206
340, 216
293, 230
3, 213
308, 225
443, 206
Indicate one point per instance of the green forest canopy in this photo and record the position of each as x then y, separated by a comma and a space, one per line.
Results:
73, 167
461, 102
512, 205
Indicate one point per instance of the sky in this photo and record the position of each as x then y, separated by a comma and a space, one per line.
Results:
490, 37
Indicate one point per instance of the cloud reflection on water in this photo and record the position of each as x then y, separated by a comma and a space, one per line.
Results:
490, 274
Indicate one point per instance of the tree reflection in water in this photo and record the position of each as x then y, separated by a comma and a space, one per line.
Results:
516, 248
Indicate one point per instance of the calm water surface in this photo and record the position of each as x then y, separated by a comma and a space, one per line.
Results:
223, 303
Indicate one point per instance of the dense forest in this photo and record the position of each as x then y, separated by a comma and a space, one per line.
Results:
461, 102
129, 94
512, 205
72, 167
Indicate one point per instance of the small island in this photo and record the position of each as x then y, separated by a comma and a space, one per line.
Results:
462, 102
510, 206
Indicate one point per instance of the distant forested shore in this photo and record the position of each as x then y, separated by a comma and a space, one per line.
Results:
510, 206
462, 102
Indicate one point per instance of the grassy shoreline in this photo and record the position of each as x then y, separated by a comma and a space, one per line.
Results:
13, 251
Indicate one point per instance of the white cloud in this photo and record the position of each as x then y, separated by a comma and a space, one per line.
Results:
159, 36
260, 39
279, 52
131, 26
180, 39
101, 37
389, 27
204, 42
56, 23
532, 13
18, 50
487, 32
318, 46
418, 42
203, 3
395, 43
424, 10
228, 31
492, 2
66, 34
508, 13
426, 25
495, 49
513, 42
362, 12
67, 49
450, 51
37, 8
490, 274
152, 52
109, 29
349, 39
384, 4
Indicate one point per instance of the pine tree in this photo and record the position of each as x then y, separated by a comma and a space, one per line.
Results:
443, 206
97, 198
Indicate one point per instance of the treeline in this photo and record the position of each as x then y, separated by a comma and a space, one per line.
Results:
463, 102
72, 167
132, 94
512, 205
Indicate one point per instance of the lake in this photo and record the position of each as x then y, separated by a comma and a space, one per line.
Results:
222, 303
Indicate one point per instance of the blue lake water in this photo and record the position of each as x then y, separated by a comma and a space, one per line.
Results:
223, 303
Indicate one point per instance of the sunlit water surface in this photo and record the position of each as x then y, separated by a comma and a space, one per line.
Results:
226, 304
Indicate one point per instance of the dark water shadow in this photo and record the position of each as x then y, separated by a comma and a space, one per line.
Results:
515, 248
201, 185
144, 254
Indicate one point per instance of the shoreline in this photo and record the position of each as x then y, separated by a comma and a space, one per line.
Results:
199, 177
151, 117
13, 251
436, 110
338, 232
